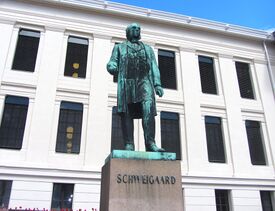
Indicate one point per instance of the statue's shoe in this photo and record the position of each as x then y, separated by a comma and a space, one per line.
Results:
154, 148
130, 147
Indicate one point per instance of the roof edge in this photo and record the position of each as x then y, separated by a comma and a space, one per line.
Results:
158, 15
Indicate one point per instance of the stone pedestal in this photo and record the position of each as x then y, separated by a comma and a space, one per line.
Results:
145, 181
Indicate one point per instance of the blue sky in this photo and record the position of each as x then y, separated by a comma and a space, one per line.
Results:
257, 14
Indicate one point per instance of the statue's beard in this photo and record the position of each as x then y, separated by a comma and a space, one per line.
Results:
133, 38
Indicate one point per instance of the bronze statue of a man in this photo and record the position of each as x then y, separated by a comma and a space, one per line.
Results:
138, 80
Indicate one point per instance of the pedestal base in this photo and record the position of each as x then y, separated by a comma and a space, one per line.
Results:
129, 184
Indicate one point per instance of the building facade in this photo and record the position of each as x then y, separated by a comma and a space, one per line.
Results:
58, 104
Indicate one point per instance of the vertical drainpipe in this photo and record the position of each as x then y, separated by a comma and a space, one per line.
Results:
269, 70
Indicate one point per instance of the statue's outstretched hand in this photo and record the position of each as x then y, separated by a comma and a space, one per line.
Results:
159, 91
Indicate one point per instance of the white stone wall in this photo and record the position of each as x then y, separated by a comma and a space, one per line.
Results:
37, 166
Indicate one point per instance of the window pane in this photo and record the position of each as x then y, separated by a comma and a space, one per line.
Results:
207, 75
26, 50
244, 80
255, 142
170, 133
62, 196
167, 67
117, 137
222, 201
76, 57
214, 137
266, 200
69, 127
5, 190
13, 122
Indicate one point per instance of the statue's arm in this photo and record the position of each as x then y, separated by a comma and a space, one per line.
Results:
112, 65
156, 74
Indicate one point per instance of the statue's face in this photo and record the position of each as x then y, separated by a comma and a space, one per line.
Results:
133, 32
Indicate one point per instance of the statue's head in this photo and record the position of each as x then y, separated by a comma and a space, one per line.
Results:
133, 32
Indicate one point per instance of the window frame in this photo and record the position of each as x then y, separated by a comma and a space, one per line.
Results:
271, 202
174, 51
120, 144
62, 186
224, 160
59, 143
8, 186
264, 162
179, 141
15, 103
228, 199
66, 58
251, 78
215, 74
16, 47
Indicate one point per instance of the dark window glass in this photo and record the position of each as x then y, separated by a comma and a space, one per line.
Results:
222, 201
26, 50
170, 133
13, 122
62, 197
5, 190
244, 80
117, 138
69, 127
214, 139
266, 200
207, 74
255, 142
167, 67
76, 57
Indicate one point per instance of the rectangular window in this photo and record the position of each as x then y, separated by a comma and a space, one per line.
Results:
13, 122
222, 200
62, 196
207, 75
170, 133
167, 67
76, 57
26, 50
266, 200
244, 80
5, 190
69, 127
214, 137
117, 137
256, 148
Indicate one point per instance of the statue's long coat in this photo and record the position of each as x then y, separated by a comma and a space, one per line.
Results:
119, 60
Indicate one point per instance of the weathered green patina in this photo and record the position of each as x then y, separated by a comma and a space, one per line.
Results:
123, 154
138, 80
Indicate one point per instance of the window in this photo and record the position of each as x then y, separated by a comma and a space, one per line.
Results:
76, 57
244, 80
62, 197
256, 148
117, 137
69, 127
167, 67
214, 139
266, 200
207, 75
26, 50
222, 201
5, 190
170, 133
13, 122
